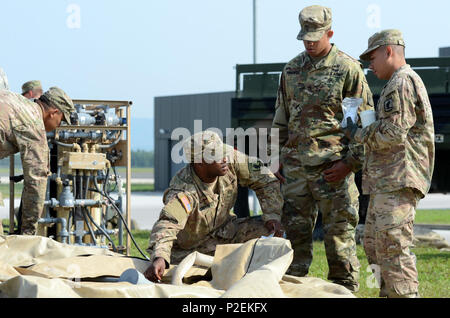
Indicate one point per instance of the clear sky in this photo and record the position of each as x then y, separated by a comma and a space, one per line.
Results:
136, 50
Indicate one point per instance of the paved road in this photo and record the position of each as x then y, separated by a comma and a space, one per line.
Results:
146, 206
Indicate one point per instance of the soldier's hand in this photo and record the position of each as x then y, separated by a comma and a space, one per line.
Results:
155, 271
279, 175
275, 227
351, 128
337, 172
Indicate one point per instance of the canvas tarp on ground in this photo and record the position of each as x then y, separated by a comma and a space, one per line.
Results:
33, 266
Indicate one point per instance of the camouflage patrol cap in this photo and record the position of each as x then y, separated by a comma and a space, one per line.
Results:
30, 85
205, 145
385, 37
3, 80
59, 99
314, 21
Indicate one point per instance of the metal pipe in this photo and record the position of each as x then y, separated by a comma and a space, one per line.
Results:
95, 232
87, 135
112, 144
69, 222
53, 203
47, 197
63, 233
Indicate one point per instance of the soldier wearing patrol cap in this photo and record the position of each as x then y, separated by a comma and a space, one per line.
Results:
317, 161
32, 90
398, 165
197, 213
23, 127
3, 80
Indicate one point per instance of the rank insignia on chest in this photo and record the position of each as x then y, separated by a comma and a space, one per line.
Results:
185, 202
388, 105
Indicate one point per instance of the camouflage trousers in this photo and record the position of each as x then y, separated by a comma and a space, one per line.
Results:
235, 231
27, 222
305, 192
388, 235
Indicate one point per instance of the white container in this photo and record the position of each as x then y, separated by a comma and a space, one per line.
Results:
134, 277
367, 117
350, 107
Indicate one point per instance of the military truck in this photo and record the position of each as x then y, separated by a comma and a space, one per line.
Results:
254, 106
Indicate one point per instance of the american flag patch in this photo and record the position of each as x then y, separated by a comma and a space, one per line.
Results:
185, 201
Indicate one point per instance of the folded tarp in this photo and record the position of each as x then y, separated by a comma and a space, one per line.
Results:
33, 266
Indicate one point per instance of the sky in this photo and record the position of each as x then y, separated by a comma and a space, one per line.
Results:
137, 50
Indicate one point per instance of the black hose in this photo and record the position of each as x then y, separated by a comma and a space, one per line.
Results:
86, 211
81, 193
59, 143
120, 214
126, 226
100, 228
91, 231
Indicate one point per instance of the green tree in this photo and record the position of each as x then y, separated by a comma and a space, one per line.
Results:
142, 158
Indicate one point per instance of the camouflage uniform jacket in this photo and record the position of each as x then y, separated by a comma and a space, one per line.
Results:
192, 211
22, 130
309, 109
400, 144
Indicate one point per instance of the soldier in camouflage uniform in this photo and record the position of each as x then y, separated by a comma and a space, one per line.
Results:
317, 161
398, 165
32, 90
23, 127
197, 214
3, 86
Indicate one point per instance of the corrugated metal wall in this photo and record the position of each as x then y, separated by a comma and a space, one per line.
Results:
171, 112
444, 51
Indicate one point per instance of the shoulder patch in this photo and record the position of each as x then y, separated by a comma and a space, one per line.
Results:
255, 166
388, 105
185, 202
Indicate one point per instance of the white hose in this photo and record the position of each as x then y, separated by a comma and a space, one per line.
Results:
194, 258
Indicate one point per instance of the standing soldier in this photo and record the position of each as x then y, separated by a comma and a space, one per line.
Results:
398, 165
23, 127
32, 90
317, 162
197, 213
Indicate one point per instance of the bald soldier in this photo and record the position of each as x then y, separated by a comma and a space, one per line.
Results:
317, 161
398, 165
197, 213
23, 127
32, 90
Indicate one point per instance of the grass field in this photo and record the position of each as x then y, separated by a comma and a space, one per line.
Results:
432, 217
432, 264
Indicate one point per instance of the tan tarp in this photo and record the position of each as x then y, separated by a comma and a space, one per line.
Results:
32, 266
429, 238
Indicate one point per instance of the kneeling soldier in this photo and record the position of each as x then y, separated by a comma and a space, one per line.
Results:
197, 213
